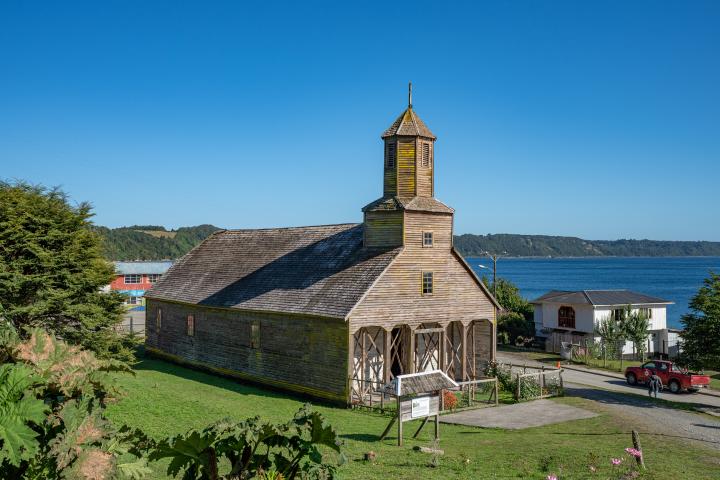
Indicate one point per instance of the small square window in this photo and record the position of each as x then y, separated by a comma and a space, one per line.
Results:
191, 325
132, 301
158, 319
427, 239
427, 283
132, 279
255, 335
153, 277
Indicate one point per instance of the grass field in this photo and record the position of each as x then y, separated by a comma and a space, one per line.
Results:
165, 399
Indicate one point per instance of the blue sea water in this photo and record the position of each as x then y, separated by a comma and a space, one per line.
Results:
673, 278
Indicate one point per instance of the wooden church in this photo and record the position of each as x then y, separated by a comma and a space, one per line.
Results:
334, 311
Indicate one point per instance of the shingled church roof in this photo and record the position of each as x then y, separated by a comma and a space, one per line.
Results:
418, 204
408, 123
322, 270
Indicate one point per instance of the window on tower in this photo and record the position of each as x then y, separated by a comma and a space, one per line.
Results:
427, 239
427, 283
391, 155
426, 155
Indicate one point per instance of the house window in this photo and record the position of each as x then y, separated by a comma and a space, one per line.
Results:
427, 239
425, 154
647, 312
566, 317
158, 320
191, 325
427, 283
133, 278
391, 155
132, 301
153, 277
618, 314
255, 335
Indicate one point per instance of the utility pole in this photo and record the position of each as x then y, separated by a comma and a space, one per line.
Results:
494, 257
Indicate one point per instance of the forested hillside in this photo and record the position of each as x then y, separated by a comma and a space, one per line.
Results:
549, 246
151, 242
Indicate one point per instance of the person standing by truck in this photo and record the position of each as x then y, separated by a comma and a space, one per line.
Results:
654, 385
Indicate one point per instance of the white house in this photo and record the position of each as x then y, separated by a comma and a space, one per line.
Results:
571, 316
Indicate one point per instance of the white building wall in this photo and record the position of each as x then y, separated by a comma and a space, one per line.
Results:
584, 320
587, 316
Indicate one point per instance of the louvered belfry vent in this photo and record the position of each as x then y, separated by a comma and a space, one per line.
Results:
391, 155
426, 155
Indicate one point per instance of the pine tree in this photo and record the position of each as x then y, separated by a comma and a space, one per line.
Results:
52, 270
701, 334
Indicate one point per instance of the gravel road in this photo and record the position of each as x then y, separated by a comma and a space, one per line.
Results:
644, 414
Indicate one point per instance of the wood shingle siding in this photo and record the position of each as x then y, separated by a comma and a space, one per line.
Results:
406, 168
300, 353
383, 230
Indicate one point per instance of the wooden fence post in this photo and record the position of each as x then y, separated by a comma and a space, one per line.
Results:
497, 390
517, 392
636, 443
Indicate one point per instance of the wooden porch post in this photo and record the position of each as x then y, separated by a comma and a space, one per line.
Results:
411, 356
442, 350
387, 356
351, 365
464, 352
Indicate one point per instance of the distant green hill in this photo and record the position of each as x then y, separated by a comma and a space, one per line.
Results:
152, 242
549, 246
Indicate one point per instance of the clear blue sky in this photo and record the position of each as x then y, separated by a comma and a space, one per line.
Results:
599, 120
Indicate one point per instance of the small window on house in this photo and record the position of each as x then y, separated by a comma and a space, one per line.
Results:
153, 277
191, 325
391, 155
427, 283
132, 301
427, 239
426, 155
647, 312
618, 314
132, 278
255, 335
158, 320
566, 317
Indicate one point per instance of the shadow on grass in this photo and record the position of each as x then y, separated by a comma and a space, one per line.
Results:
362, 437
242, 387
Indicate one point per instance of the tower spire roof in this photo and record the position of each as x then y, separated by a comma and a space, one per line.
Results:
408, 123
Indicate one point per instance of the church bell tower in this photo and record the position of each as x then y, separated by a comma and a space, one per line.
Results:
408, 180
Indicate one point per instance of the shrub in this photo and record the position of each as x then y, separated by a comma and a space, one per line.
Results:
253, 449
450, 401
52, 424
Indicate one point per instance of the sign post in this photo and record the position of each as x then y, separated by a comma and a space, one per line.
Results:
418, 397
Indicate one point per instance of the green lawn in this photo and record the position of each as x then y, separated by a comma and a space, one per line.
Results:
165, 399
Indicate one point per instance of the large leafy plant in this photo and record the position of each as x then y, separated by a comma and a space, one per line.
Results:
252, 449
51, 413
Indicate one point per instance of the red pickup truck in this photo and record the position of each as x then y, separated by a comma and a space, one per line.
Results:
672, 376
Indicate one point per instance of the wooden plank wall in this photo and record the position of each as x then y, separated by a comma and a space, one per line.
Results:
389, 174
383, 229
406, 168
397, 296
300, 353
424, 173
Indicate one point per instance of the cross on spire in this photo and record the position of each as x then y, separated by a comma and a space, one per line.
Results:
409, 94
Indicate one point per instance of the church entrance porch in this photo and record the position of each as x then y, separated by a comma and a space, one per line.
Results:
379, 354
